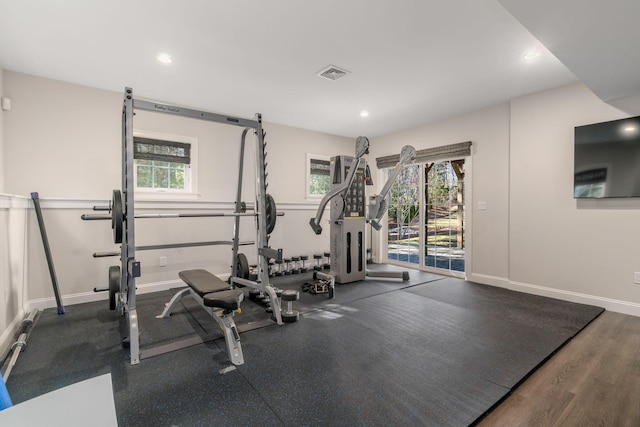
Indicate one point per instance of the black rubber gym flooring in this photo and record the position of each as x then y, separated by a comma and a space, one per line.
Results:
431, 351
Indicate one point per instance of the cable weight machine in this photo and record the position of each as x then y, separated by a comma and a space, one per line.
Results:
349, 214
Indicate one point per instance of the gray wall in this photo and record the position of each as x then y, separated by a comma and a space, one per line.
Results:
534, 236
64, 142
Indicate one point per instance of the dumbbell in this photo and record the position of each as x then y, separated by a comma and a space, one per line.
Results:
304, 259
256, 294
289, 315
272, 268
287, 270
327, 265
268, 308
317, 257
295, 269
280, 272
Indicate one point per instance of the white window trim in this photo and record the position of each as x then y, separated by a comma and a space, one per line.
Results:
189, 193
308, 195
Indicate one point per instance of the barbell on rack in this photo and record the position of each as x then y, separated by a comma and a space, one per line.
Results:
117, 216
172, 246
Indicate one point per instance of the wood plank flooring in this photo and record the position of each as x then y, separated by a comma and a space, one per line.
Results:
594, 380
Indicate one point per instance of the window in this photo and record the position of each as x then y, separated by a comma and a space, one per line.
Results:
318, 182
164, 164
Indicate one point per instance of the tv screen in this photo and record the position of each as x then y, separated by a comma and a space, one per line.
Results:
607, 159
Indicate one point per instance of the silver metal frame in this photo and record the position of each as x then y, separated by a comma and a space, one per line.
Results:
378, 206
362, 148
223, 318
126, 298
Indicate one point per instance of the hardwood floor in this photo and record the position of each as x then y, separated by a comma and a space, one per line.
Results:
594, 380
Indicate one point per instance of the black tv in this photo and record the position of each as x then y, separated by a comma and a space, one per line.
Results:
607, 159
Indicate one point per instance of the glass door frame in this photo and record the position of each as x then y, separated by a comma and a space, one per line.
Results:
383, 243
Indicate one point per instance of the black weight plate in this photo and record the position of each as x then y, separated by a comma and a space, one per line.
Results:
114, 285
117, 216
242, 266
271, 213
290, 317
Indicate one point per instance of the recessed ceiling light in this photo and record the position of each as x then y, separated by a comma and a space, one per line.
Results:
164, 58
364, 113
630, 128
531, 55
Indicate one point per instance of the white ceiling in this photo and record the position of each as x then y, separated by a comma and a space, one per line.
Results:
411, 61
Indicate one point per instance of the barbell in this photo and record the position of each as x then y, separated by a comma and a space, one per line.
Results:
172, 246
117, 216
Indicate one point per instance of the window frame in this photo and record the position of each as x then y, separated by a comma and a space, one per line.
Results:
310, 157
190, 192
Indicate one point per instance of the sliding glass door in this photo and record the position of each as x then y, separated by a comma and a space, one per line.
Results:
404, 217
444, 225
426, 216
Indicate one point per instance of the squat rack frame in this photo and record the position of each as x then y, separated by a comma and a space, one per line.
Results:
130, 267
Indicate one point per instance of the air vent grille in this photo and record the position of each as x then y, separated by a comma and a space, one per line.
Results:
332, 72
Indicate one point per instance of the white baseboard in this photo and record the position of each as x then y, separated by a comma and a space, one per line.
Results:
610, 304
84, 297
485, 279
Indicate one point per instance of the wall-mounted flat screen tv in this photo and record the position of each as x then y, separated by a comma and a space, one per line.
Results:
607, 159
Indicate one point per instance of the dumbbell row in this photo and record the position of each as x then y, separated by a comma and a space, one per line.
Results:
296, 265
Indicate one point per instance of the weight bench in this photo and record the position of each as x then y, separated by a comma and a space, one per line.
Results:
219, 299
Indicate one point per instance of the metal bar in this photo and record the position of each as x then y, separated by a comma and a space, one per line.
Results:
98, 217
17, 348
362, 148
188, 215
340, 189
195, 114
128, 248
236, 226
262, 239
275, 254
90, 217
47, 251
377, 208
23, 335
171, 246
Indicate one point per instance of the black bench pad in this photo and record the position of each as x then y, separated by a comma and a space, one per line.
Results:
228, 300
203, 282
214, 291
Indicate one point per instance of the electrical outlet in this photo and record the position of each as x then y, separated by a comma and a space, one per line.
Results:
163, 261
636, 278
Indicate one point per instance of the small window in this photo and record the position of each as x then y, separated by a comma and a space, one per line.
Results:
164, 164
318, 169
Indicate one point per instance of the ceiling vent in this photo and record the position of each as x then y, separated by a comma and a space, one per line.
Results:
332, 72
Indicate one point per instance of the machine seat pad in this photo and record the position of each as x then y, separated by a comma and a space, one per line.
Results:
228, 300
202, 282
